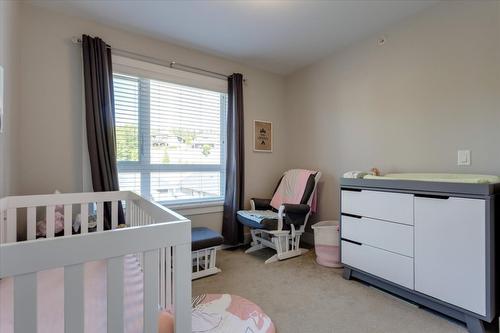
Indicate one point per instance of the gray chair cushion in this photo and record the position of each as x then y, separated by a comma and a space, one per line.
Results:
270, 223
202, 238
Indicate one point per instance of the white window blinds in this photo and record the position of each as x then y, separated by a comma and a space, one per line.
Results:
170, 139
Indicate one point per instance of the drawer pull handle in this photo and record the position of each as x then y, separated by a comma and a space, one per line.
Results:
352, 215
433, 196
352, 189
350, 241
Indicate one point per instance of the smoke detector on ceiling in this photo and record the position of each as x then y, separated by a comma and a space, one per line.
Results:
381, 40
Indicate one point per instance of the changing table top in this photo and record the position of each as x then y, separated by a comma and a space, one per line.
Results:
440, 177
465, 184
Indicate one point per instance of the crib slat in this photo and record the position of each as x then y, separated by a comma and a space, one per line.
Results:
182, 288
114, 286
31, 232
100, 216
50, 220
168, 273
3, 226
74, 299
84, 214
11, 234
135, 220
162, 278
25, 303
151, 292
68, 220
114, 214
128, 213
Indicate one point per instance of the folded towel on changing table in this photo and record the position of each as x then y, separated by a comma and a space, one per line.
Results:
355, 174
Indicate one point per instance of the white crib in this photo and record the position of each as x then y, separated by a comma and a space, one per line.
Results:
159, 237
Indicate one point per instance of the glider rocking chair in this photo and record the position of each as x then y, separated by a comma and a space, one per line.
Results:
281, 227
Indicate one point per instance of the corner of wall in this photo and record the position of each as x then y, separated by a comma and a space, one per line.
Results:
9, 23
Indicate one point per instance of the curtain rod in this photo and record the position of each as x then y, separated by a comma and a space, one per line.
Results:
171, 64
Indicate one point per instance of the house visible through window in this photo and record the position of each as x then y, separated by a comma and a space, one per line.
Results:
170, 137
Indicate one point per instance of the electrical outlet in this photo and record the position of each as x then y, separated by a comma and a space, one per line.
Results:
463, 157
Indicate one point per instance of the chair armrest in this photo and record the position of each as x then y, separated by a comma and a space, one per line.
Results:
296, 214
260, 204
297, 209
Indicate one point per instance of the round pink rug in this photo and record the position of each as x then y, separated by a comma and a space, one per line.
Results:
224, 313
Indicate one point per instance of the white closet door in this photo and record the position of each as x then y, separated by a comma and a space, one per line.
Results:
450, 259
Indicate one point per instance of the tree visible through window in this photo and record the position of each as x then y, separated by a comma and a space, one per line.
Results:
170, 139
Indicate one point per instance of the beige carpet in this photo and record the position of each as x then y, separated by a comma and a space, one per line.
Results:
301, 296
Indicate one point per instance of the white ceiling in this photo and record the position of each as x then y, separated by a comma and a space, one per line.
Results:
278, 36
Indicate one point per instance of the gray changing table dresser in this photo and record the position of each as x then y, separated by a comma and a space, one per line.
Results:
429, 242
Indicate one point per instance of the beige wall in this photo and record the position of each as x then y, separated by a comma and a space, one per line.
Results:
433, 88
408, 105
50, 131
9, 18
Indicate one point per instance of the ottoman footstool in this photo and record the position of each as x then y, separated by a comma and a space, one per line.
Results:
204, 245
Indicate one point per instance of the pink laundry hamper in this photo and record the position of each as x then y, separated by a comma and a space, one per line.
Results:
326, 243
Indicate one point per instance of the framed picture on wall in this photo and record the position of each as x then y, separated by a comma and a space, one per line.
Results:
263, 136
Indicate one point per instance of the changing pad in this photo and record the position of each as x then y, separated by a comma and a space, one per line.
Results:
440, 177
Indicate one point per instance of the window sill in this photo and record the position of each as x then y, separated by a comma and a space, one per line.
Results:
197, 208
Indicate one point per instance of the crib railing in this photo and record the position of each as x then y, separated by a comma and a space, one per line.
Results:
159, 237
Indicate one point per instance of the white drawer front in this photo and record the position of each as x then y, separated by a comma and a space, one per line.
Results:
389, 206
388, 236
386, 265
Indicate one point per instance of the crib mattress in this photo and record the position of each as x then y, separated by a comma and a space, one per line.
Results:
50, 298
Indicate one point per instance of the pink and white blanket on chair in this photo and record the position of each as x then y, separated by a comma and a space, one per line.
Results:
292, 187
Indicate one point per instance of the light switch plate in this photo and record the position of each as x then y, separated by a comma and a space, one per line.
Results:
463, 157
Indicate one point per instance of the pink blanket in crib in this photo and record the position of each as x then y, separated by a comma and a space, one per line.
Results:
292, 187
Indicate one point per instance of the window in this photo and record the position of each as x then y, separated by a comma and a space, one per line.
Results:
170, 132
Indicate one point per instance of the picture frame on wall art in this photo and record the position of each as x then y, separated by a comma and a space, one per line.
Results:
263, 136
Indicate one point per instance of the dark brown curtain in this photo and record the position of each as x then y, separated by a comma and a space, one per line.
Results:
100, 119
235, 173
